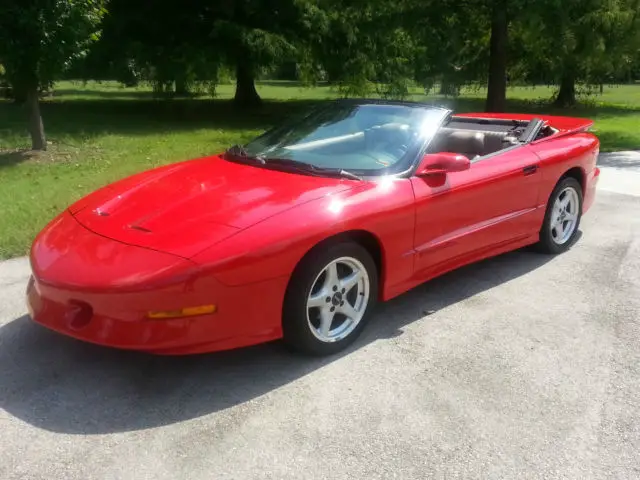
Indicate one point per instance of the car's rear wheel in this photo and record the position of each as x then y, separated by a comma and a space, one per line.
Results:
562, 218
330, 298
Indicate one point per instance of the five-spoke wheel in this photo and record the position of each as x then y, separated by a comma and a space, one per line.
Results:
565, 215
562, 218
338, 299
330, 297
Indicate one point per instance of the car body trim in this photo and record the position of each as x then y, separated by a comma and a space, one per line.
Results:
452, 236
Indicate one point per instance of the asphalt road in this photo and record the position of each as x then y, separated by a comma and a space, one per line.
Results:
522, 366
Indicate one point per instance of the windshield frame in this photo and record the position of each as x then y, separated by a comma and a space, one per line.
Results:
403, 166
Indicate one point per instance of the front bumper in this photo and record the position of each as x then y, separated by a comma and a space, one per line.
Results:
99, 290
246, 316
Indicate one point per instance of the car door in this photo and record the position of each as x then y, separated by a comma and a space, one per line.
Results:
468, 212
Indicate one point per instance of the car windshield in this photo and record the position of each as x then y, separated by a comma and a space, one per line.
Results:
366, 138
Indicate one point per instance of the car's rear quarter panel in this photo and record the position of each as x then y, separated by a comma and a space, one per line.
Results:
577, 152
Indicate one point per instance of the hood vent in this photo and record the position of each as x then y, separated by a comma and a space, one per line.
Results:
138, 227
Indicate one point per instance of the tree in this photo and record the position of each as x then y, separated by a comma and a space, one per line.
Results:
38, 39
252, 34
476, 38
366, 46
503, 18
568, 42
498, 61
452, 41
192, 41
174, 52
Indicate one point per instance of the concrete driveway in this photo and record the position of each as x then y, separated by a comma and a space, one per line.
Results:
522, 366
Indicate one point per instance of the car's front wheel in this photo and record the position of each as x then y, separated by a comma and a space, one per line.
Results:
562, 218
330, 298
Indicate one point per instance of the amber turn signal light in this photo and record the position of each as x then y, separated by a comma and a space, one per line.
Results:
183, 312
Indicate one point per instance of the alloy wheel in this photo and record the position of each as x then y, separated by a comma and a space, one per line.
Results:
564, 216
338, 299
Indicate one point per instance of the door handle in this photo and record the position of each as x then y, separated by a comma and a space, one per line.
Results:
530, 170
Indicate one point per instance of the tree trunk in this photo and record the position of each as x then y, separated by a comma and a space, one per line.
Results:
36, 128
567, 93
158, 88
448, 87
246, 93
181, 87
497, 87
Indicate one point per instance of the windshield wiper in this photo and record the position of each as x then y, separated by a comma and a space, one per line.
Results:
239, 151
347, 174
310, 168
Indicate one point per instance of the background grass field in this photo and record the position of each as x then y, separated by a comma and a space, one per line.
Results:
100, 132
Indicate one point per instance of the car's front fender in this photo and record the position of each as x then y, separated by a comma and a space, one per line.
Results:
272, 248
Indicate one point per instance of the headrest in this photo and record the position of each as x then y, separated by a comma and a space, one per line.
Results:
466, 141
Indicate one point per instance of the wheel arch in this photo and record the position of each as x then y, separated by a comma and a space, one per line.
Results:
366, 239
578, 174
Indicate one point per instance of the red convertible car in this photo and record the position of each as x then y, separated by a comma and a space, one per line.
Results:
299, 233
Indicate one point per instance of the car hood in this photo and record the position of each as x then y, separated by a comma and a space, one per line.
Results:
186, 207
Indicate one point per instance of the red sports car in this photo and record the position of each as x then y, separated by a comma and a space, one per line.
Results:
298, 234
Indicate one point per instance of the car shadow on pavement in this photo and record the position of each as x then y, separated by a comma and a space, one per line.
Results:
62, 385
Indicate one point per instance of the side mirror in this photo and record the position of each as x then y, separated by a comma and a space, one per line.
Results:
442, 163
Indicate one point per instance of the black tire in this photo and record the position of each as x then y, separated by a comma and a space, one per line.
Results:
297, 331
547, 244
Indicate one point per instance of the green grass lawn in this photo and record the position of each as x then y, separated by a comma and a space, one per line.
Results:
102, 132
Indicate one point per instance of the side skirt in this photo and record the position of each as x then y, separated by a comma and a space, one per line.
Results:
458, 262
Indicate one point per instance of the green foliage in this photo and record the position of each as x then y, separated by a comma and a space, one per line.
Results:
194, 44
365, 49
588, 41
39, 38
379, 47
452, 41
165, 44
